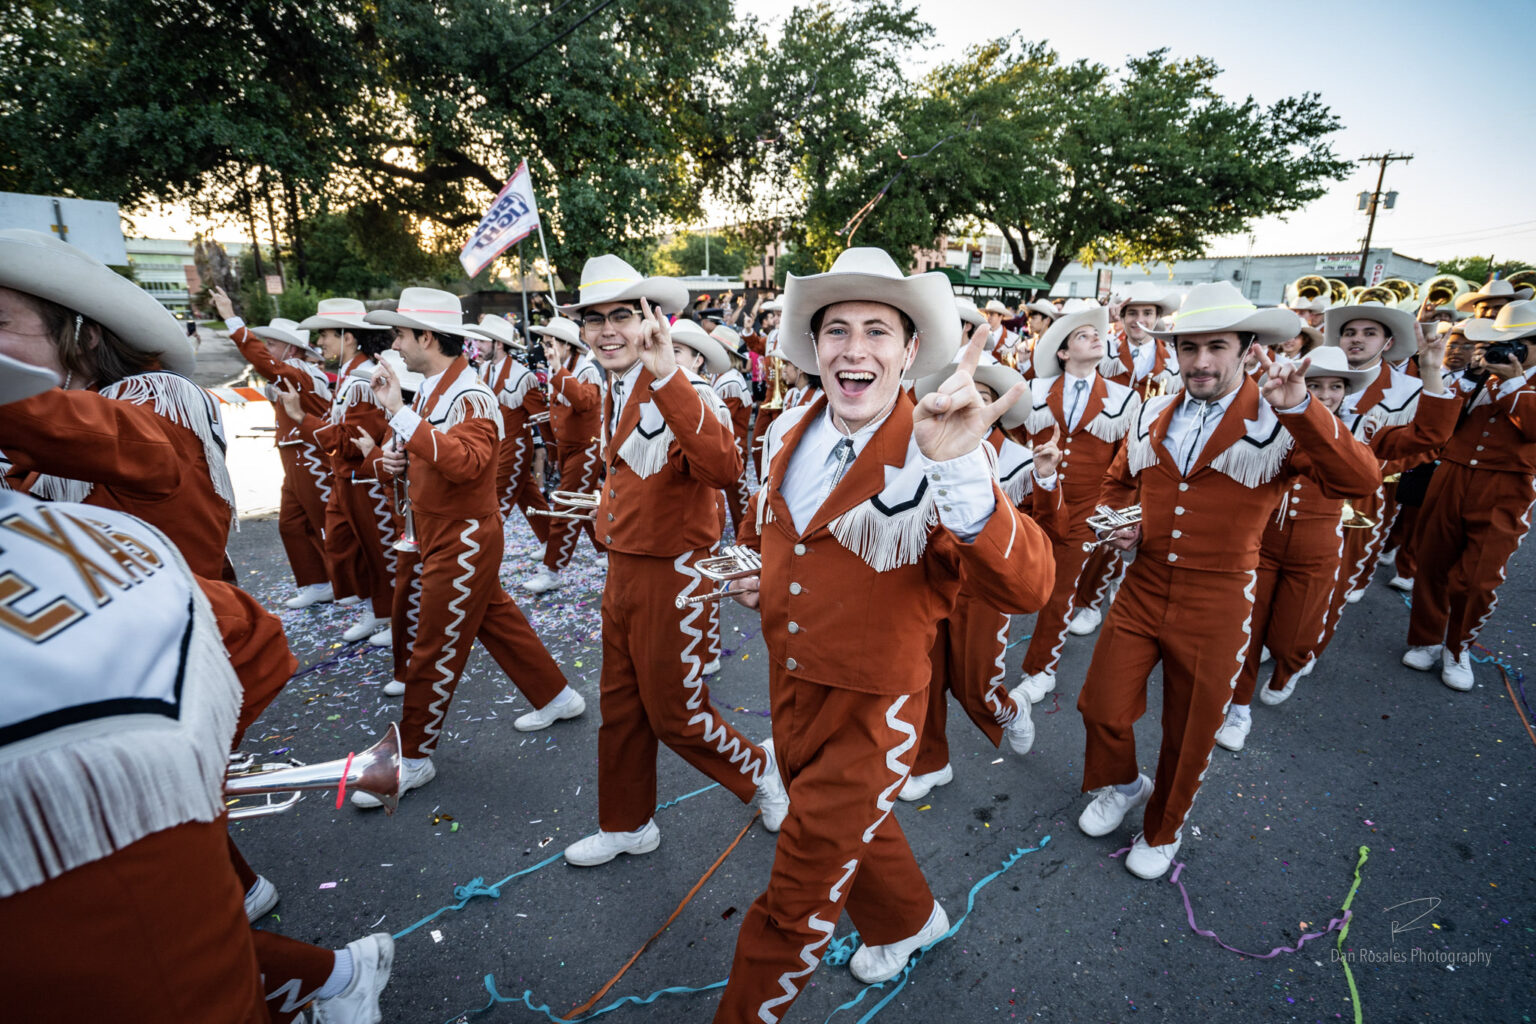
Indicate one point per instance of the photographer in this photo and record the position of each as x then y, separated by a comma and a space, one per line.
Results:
1477, 509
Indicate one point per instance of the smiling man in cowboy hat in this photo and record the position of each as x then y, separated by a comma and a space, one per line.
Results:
1494, 296
668, 451
1144, 362
1207, 467
872, 509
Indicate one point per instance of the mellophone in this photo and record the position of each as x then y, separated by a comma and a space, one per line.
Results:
579, 505
1106, 521
734, 562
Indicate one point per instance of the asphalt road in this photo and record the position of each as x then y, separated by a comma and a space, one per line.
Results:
1437, 784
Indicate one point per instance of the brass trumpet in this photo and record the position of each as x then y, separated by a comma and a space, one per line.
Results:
1352, 519
580, 505
734, 562
375, 770
1106, 520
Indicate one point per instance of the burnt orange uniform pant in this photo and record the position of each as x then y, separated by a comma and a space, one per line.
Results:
1362, 548
301, 513
1298, 573
1471, 523
459, 598
579, 467
653, 690
967, 660
1044, 652
515, 486
844, 756
1103, 569
359, 534
1196, 624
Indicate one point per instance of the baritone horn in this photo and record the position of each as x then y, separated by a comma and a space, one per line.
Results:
578, 505
1106, 521
734, 562
375, 770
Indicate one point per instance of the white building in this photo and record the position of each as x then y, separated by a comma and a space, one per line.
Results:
164, 268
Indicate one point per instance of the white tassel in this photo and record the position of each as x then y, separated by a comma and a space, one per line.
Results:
887, 542
58, 488
1040, 418
352, 392
513, 395
646, 455
1140, 449
1110, 427
472, 403
1254, 464
1110, 366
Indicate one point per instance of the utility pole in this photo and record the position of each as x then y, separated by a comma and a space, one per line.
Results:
1374, 199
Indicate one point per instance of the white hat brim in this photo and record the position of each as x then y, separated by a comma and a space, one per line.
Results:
1465, 303
1269, 326
1045, 362
925, 298
20, 380
560, 333
393, 318
994, 375
1401, 325
694, 337
1355, 381
667, 294
270, 333
326, 323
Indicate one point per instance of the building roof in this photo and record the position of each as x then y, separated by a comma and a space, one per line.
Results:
994, 279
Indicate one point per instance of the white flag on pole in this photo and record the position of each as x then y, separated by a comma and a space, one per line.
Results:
511, 217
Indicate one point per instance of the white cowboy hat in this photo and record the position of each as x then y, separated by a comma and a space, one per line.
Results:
1145, 293
341, 315
1316, 304
968, 311
20, 380
688, 332
868, 274
1042, 307
995, 376
288, 332
1496, 289
1401, 325
1331, 362
1515, 320
1218, 307
609, 279
563, 328
730, 341
773, 306
409, 381
996, 306
496, 328
1057, 334
424, 309
40, 265
1314, 338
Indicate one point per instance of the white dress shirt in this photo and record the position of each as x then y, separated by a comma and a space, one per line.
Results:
623, 385
406, 419
1075, 392
1142, 357
1195, 421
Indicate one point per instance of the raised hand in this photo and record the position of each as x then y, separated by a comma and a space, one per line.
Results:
364, 442
1431, 357
953, 420
288, 398
221, 303
1048, 454
656, 342
1285, 384
386, 389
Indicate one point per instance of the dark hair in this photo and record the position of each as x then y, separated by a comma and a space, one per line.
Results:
371, 343
451, 345
908, 328
107, 362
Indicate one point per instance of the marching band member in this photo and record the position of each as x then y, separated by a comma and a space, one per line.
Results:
734, 391
1092, 416
1307, 339
1494, 296
575, 412
872, 511
1309, 310
668, 449
513, 384
1207, 467
997, 334
126, 430
445, 444
1478, 507
1041, 315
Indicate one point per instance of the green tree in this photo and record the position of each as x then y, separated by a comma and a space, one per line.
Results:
1478, 269
683, 254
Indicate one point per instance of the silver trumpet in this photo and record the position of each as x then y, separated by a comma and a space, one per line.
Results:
375, 770
579, 505
407, 541
536, 418
734, 562
1106, 520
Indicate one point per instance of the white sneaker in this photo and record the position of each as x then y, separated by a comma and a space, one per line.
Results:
372, 957
772, 796
1387, 557
1234, 731
604, 846
260, 900
414, 773
347, 602
543, 580
918, 786
1085, 622
365, 626
1456, 672
1273, 697
394, 688
1151, 862
315, 593
712, 668
383, 638
1036, 685
874, 964
1110, 806
567, 704
1354, 596
1423, 658
1264, 655
1021, 731
1403, 583
537, 554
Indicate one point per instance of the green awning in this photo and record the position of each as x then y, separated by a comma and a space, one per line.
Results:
994, 279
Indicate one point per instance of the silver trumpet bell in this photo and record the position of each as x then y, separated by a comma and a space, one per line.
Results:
579, 505
1106, 520
734, 562
407, 541
375, 770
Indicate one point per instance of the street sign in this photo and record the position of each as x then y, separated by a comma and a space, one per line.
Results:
274, 284
973, 266
87, 224
1101, 289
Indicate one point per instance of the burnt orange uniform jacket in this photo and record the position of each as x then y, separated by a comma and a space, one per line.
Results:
515, 386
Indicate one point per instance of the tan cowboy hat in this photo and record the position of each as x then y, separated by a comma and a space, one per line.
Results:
1403, 328
424, 309
20, 380
609, 279
1145, 293
1316, 304
340, 315
281, 329
1496, 289
1218, 307
730, 341
996, 306
995, 376
1044, 308
690, 333
40, 265
968, 311
867, 274
1515, 320
496, 328
563, 328
1331, 362
1056, 336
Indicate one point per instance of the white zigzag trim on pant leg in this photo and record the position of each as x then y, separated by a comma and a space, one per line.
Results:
887, 798
293, 996
1060, 640
1003, 712
714, 728
1338, 565
386, 525
1493, 603
1365, 568
519, 450
311, 461
413, 608
810, 953
438, 709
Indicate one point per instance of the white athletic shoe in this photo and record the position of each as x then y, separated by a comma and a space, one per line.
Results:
1085, 622
1021, 731
394, 688
315, 593
1456, 672
918, 786
372, 958
537, 554
874, 964
1387, 557
1423, 658
1354, 596
347, 602
543, 580
604, 846
412, 776
260, 900
1110, 806
1036, 686
1151, 862
383, 638
772, 796
1265, 655
1273, 697
567, 704
1403, 583
1234, 731
365, 626
712, 668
